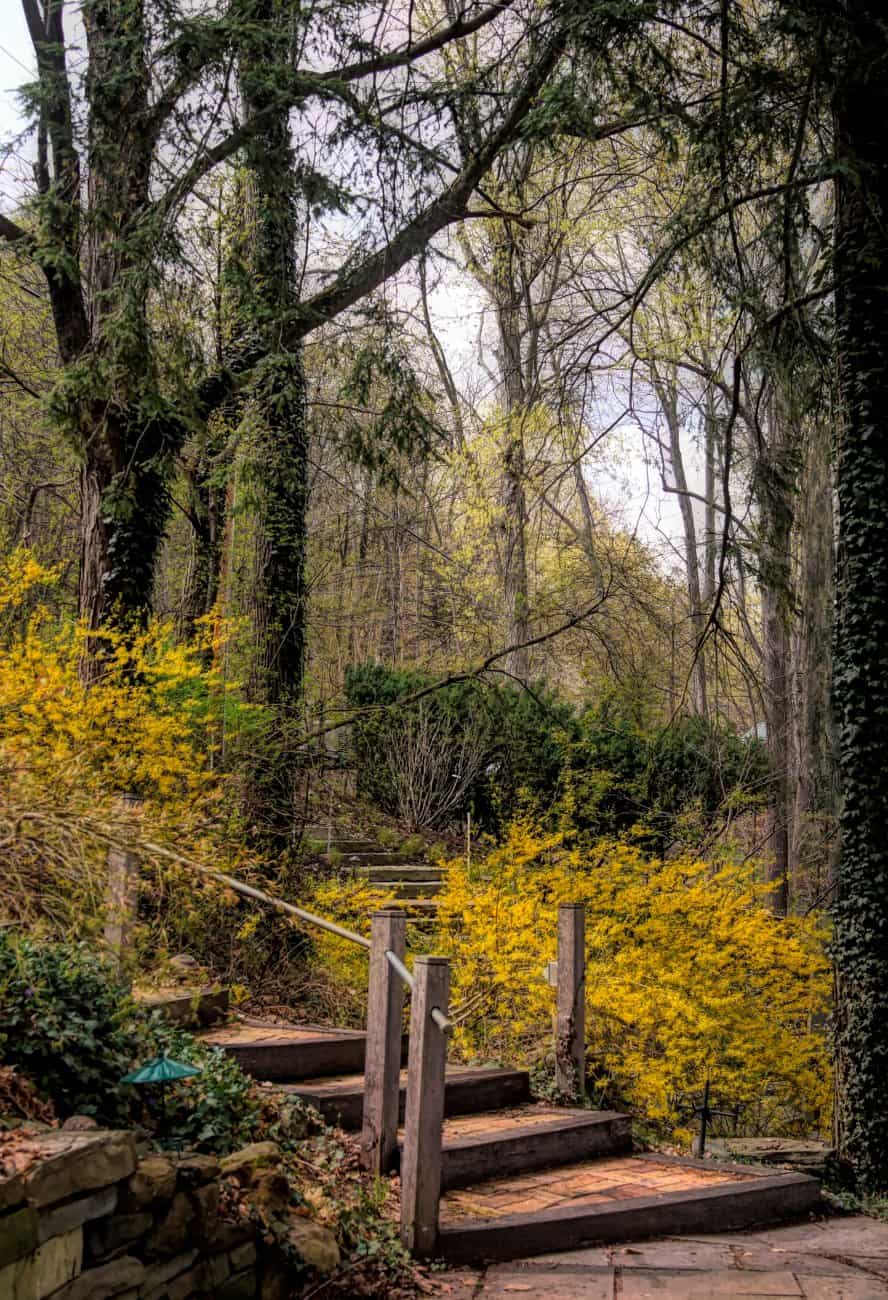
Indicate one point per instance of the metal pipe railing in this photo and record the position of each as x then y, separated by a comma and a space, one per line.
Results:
436, 1013
397, 965
239, 887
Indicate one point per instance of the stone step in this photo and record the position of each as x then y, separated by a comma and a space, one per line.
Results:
344, 840
416, 871
602, 1201
411, 889
189, 1008
467, 1089
496, 1144
348, 847
377, 857
273, 1052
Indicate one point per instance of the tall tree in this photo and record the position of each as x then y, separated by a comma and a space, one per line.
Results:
103, 223
274, 410
857, 67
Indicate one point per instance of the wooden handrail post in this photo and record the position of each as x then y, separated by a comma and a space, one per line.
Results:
121, 892
382, 1063
424, 1118
570, 1017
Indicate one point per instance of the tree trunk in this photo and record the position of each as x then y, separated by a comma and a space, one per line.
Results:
123, 497
275, 411
512, 496
775, 648
861, 656
278, 498
667, 396
206, 512
815, 837
128, 453
774, 488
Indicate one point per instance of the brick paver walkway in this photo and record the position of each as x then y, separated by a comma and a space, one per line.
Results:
591, 1182
832, 1259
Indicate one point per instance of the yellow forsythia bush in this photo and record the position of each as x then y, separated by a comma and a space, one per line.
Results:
688, 976
343, 967
145, 726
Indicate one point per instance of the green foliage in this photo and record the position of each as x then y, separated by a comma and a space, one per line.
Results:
66, 1023
510, 741
627, 770
215, 1110
387, 410
69, 1025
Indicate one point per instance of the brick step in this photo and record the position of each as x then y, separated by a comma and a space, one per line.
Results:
614, 1199
502, 1142
273, 1052
415, 871
467, 1089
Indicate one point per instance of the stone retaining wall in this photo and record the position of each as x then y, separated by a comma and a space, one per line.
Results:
90, 1220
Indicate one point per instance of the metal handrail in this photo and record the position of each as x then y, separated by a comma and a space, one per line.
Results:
399, 968
339, 930
396, 964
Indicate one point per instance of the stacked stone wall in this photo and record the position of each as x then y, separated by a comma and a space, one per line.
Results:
91, 1219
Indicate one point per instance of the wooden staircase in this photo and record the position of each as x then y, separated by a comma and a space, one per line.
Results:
487, 1174
519, 1178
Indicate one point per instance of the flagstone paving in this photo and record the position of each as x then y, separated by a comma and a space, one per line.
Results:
828, 1259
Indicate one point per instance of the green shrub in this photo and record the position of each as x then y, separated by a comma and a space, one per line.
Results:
216, 1110
477, 746
627, 768
66, 1023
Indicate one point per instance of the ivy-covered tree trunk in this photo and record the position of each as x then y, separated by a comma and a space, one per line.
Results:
275, 415
861, 654
206, 508
123, 504
273, 427
278, 499
128, 442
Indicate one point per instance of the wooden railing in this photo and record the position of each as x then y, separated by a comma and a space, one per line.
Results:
429, 984
427, 1057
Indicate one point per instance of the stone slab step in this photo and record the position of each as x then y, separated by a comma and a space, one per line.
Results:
377, 857
416, 871
183, 1007
412, 889
522, 1139
615, 1199
467, 1089
278, 1053
339, 839
348, 847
